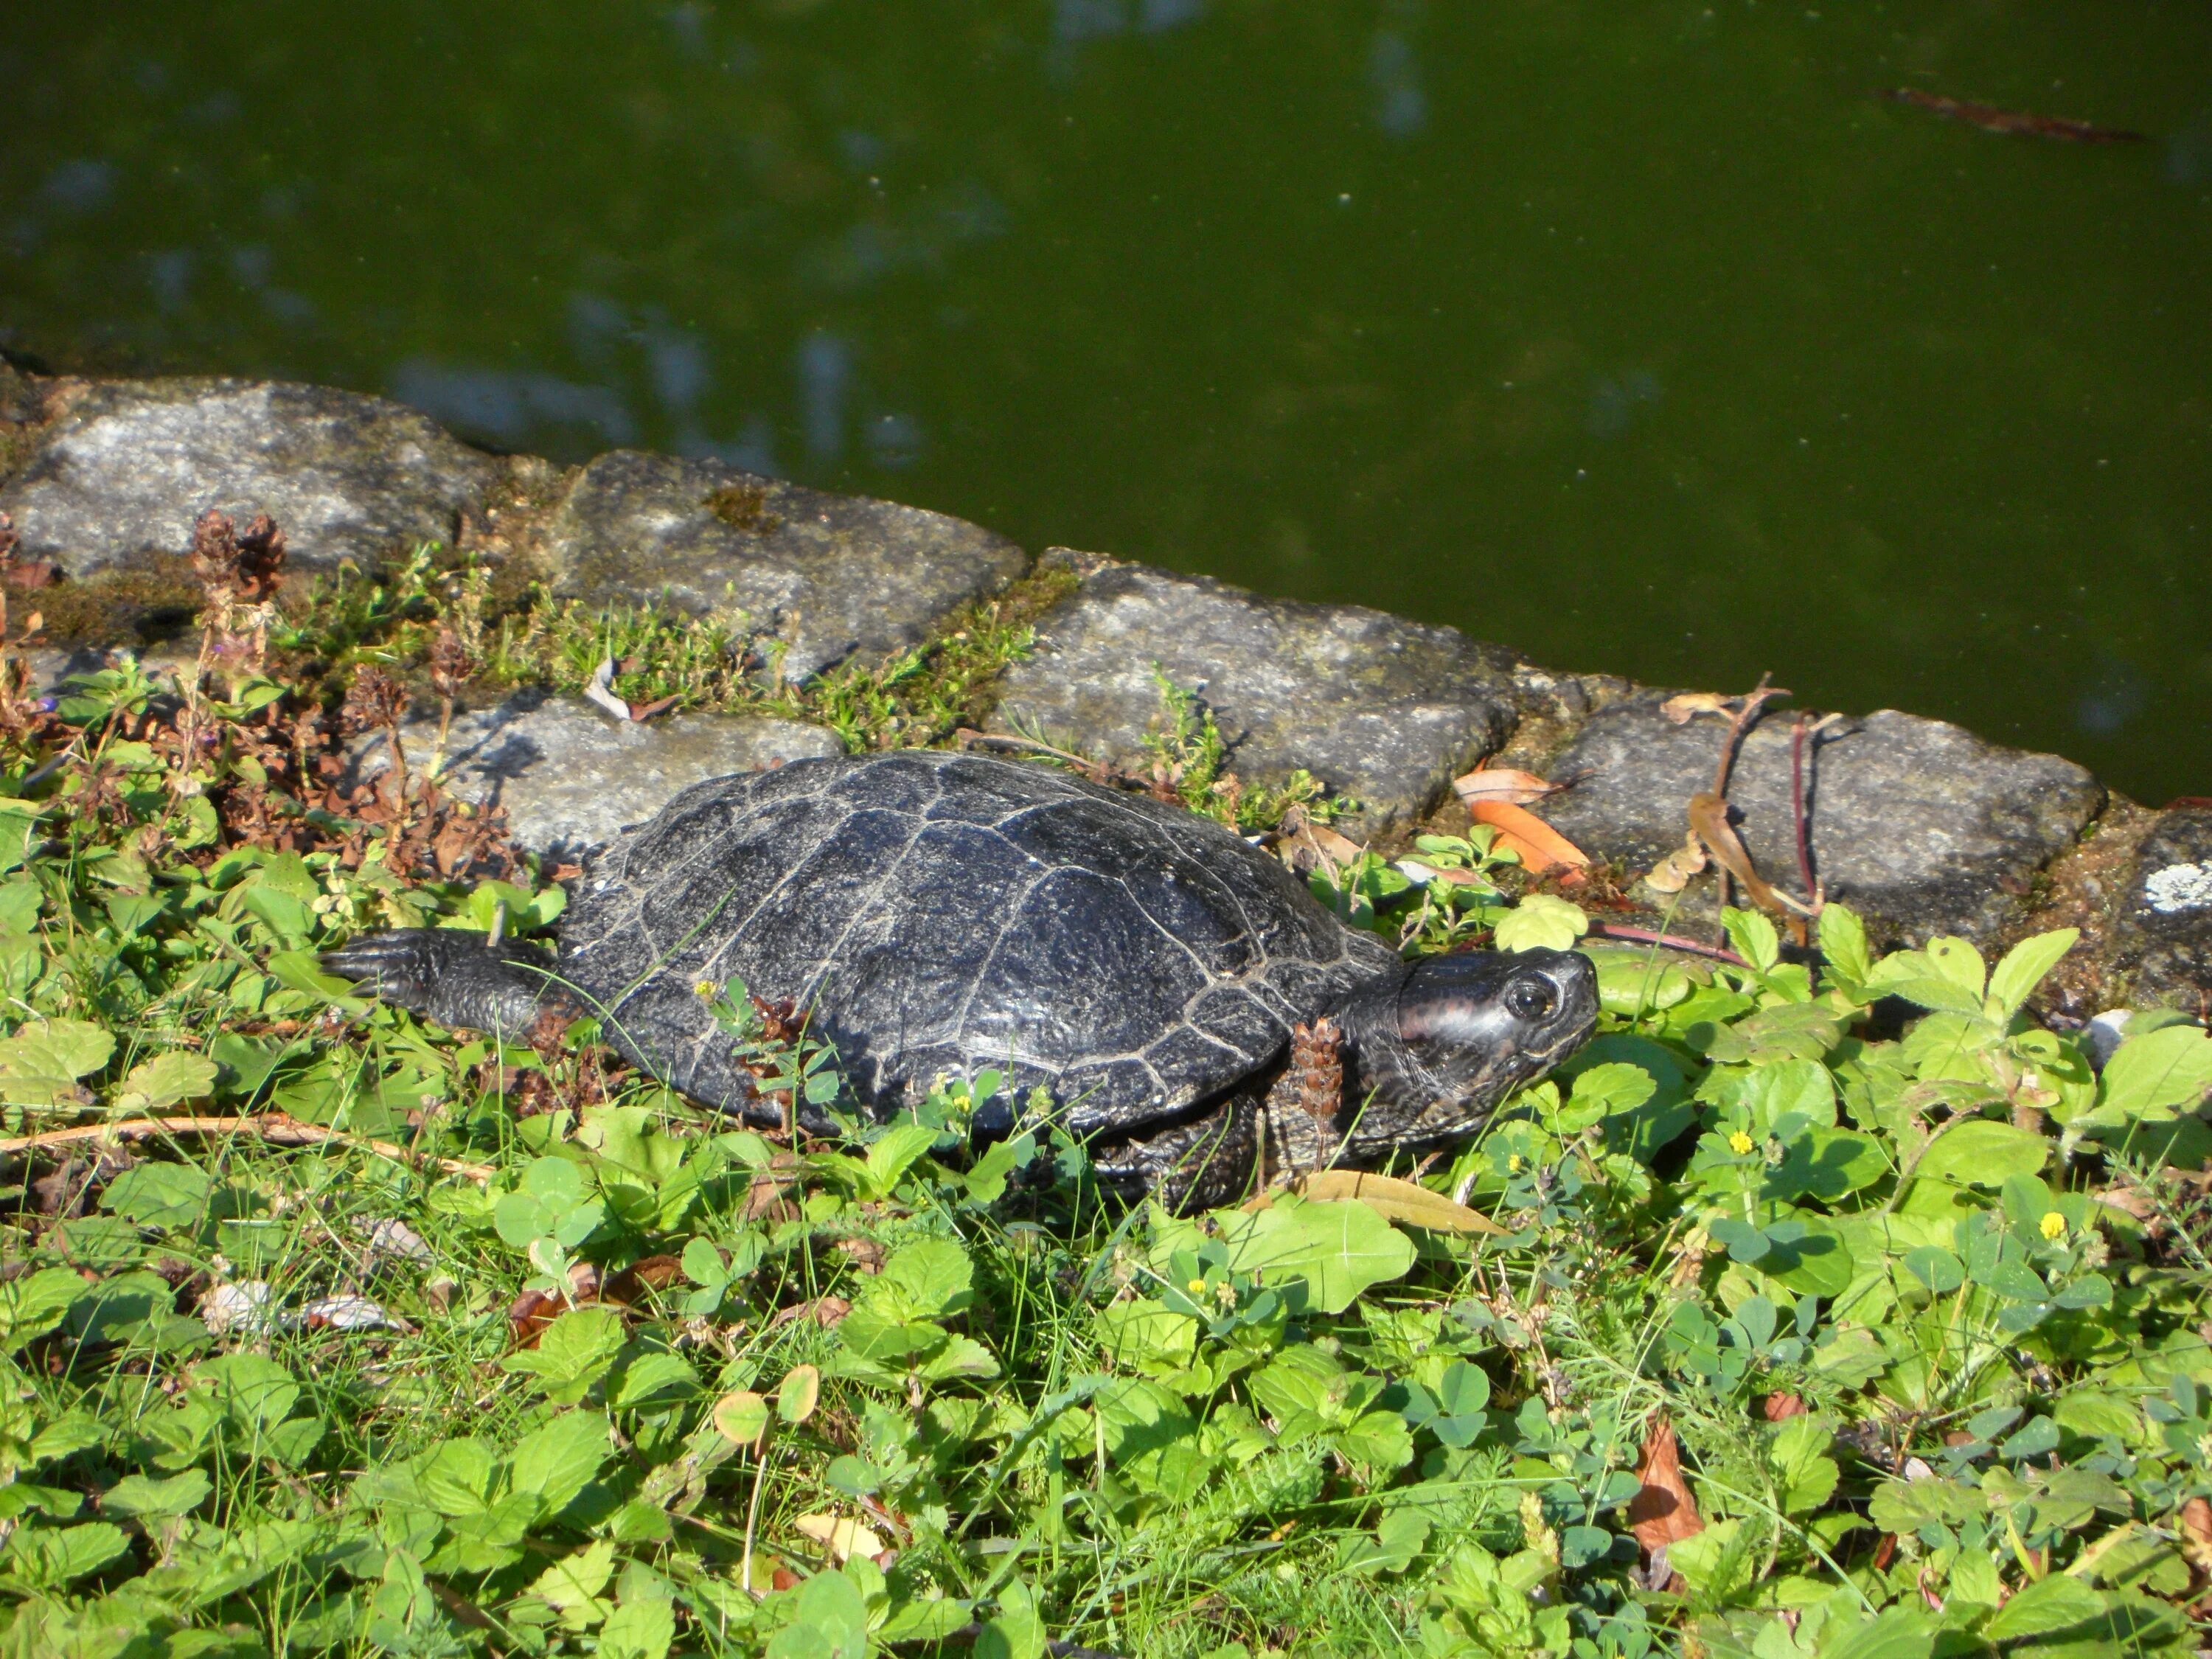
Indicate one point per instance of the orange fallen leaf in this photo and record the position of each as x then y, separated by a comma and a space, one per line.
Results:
1663, 1512
1781, 1406
1541, 848
1504, 783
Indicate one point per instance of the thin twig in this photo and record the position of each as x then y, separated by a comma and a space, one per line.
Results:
970, 737
1797, 807
279, 1128
1672, 941
1739, 723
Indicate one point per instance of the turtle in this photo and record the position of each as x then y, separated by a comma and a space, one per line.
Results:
1192, 1011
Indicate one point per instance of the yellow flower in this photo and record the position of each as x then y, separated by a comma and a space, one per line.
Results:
1196, 1286
705, 988
1513, 1164
2054, 1225
1740, 1143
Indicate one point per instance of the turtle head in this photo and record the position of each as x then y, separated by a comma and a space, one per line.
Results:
1460, 1033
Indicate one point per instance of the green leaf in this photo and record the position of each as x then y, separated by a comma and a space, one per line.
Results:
1896, 1633
2025, 965
832, 1621
141, 1496
1753, 937
2158, 1074
925, 1279
574, 1351
1541, 921
1614, 1086
557, 1460
1959, 962
1844, 942
301, 970
172, 1195
1803, 1089
988, 1175
1017, 1631
48, 1558
574, 1584
893, 1154
654, 1377
31, 1306
1799, 1455
166, 1080
640, 1628
1336, 1250
1982, 1151
2053, 1603
40, 1064
1905, 1506
1914, 975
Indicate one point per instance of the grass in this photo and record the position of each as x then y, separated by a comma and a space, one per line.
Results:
350, 1335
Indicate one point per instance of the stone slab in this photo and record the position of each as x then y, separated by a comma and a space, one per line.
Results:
2166, 924
835, 577
127, 465
1384, 709
1915, 822
572, 778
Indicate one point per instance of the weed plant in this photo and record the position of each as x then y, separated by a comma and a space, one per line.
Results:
324, 1331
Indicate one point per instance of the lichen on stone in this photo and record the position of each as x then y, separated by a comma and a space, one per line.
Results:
2179, 887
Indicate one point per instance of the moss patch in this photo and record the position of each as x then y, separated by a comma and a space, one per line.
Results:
744, 507
138, 606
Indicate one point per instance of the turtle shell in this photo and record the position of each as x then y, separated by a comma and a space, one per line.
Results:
941, 914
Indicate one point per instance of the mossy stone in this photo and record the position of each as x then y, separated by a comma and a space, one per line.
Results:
1917, 824
1376, 707
833, 576
125, 466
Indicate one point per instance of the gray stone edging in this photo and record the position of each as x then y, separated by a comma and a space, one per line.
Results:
1920, 824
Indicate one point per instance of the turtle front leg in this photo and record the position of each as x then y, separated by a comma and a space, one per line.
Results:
455, 978
1199, 1165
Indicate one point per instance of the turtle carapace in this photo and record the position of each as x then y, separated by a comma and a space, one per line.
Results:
941, 914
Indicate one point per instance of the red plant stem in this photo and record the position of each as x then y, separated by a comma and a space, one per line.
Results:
1797, 804
1672, 941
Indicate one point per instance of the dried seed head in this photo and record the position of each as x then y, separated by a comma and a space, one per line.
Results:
215, 554
260, 560
452, 665
374, 702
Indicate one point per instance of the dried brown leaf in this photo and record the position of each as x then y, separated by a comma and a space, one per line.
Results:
1689, 705
1708, 822
1672, 874
842, 1537
1504, 783
1663, 1512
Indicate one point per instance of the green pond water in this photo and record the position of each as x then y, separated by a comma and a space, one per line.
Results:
1636, 335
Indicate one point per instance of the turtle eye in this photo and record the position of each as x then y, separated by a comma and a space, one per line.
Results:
1529, 999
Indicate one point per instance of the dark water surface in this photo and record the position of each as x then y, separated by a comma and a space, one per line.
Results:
1634, 334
